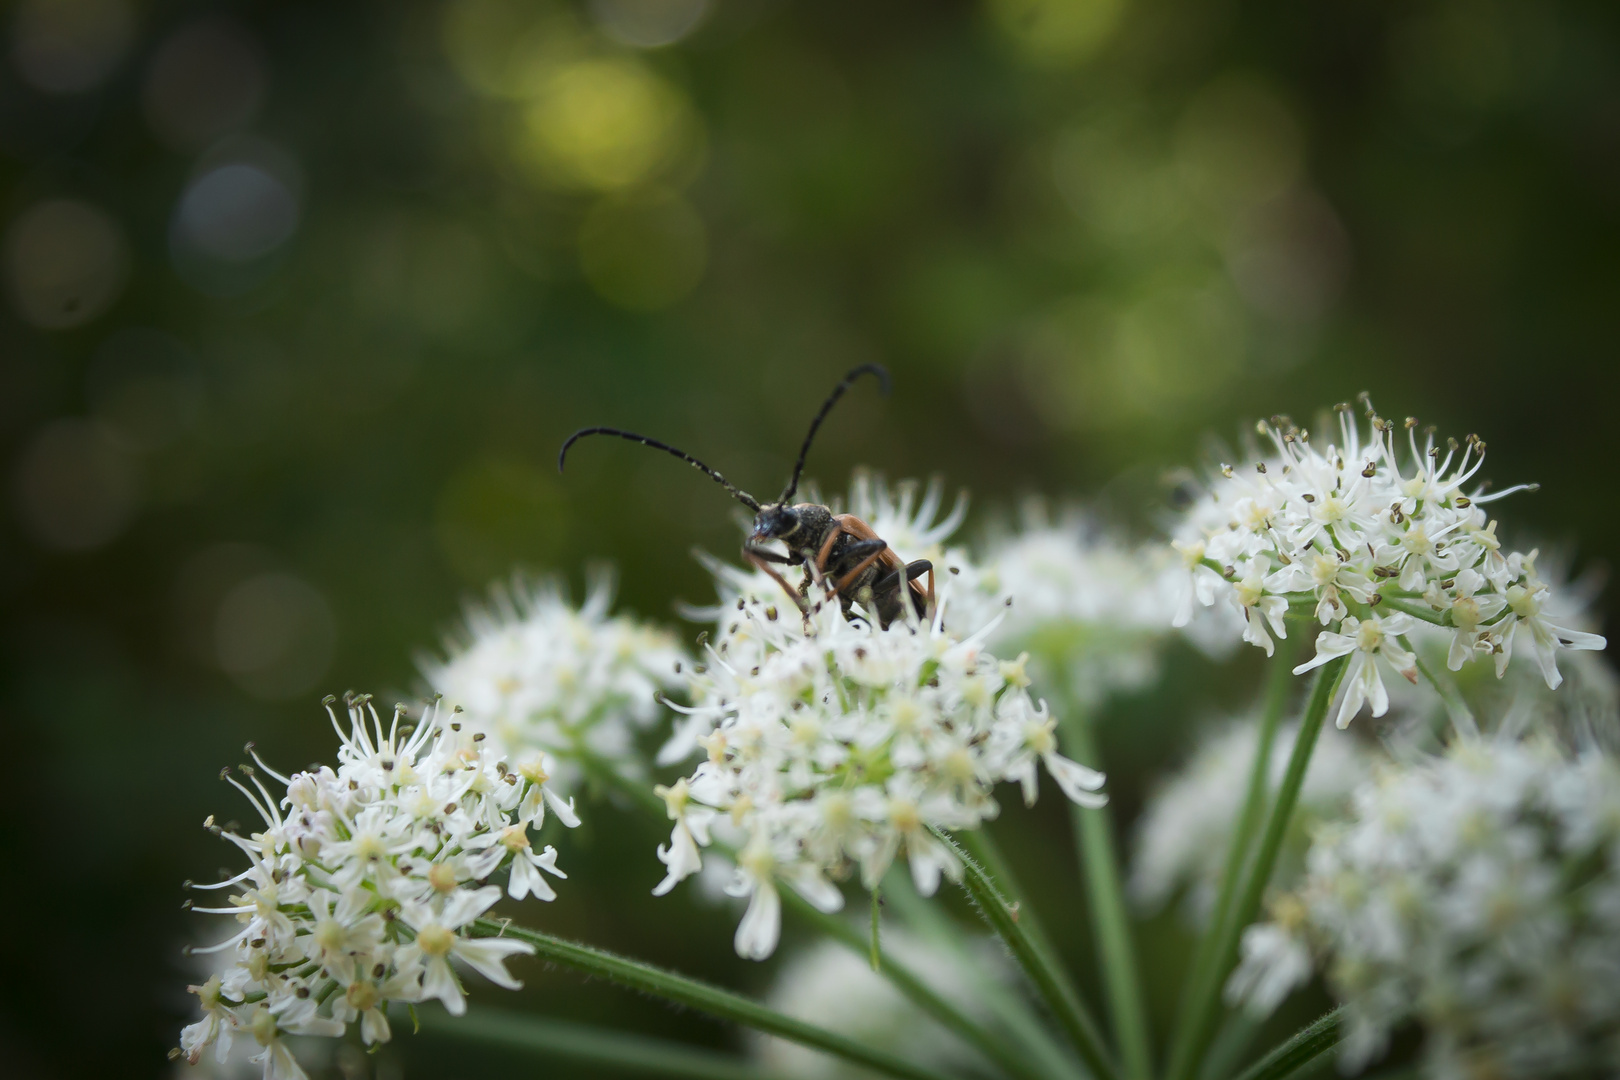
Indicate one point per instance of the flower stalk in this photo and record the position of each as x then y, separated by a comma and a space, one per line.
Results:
1099, 864
1205, 991
692, 993
1037, 961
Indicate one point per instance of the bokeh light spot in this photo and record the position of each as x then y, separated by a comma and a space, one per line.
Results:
205, 79
497, 513
606, 124
645, 252
1238, 144
74, 489
70, 46
509, 48
273, 634
65, 263
235, 213
648, 24
1052, 32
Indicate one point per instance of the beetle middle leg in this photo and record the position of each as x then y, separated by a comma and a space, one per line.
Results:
872, 550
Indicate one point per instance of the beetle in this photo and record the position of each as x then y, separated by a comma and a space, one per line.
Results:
837, 548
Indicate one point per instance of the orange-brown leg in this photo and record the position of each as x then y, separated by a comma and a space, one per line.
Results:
793, 593
826, 549
851, 575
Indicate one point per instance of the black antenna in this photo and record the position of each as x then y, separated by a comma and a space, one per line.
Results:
738, 493
826, 407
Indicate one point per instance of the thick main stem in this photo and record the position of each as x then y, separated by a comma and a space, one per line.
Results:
692, 993
1278, 682
1099, 863
1205, 995
1037, 962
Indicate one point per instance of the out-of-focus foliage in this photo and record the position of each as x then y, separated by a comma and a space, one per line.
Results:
300, 299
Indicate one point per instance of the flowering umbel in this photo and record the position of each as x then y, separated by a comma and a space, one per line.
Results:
1372, 545
537, 674
363, 882
1478, 892
836, 746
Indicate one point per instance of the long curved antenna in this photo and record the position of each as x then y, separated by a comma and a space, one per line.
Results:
882, 374
738, 493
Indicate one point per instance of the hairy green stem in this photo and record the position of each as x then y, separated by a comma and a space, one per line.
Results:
1013, 1011
1305, 1049
914, 987
1006, 919
588, 1044
1099, 864
1205, 995
1279, 680
692, 993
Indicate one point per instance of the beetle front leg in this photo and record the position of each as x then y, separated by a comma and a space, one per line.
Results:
762, 558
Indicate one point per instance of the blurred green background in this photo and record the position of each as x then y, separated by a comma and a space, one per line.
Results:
301, 298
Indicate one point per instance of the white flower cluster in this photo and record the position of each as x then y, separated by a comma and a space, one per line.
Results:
1185, 833
1478, 892
834, 745
363, 883
1373, 546
1090, 608
534, 673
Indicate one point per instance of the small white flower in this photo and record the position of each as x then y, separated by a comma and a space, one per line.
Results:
436, 942
1365, 641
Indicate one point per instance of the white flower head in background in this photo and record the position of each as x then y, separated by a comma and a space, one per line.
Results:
363, 884
539, 675
835, 987
1089, 606
1185, 832
835, 747
1477, 892
1368, 539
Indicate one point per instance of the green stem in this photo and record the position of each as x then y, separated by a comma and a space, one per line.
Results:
1305, 1049
588, 1044
1278, 682
914, 987
877, 944
900, 975
1462, 717
1099, 861
982, 846
1422, 612
1205, 995
1047, 1057
692, 993
1038, 963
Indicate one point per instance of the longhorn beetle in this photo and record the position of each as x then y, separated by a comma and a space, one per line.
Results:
840, 548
